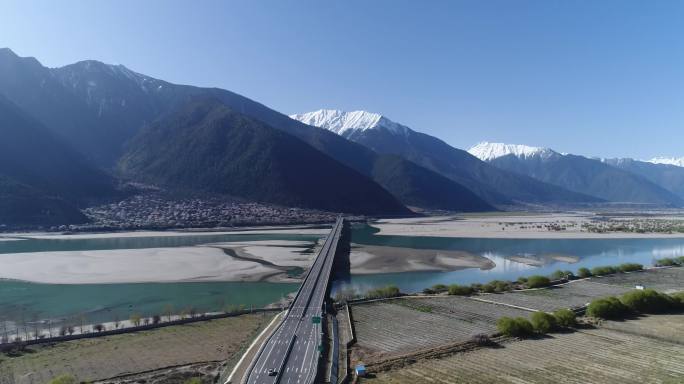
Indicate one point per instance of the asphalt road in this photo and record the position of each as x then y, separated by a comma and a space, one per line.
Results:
293, 349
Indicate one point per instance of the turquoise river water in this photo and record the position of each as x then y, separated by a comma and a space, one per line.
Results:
22, 301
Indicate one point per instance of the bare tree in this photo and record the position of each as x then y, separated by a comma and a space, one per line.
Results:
4, 330
83, 321
36, 328
168, 311
135, 319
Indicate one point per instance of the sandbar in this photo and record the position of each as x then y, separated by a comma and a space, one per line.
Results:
132, 234
370, 259
504, 226
152, 265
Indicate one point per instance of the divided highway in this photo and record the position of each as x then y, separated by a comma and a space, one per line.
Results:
292, 353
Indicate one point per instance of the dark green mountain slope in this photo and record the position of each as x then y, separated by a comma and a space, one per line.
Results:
208, 147
578, 173
32, 155
21, 205
99, 107
42, 180
670, 177
422, 188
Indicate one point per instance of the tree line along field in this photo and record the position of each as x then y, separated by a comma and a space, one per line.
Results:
574, 294
589, 356
217, 341
578, 293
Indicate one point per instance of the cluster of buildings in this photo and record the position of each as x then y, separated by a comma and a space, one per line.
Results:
156, 211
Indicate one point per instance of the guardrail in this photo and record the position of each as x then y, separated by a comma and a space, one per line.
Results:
335, 355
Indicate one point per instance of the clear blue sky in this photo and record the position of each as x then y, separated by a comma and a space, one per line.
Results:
588, 77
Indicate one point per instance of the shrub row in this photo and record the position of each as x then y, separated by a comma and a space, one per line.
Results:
384, 292
647, 301
608, 270
539, 281
461, 290
539, 323
670, 262
494, 286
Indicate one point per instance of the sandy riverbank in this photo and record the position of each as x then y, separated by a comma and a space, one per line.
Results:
369, 259
133, 234
157, 265
543, 259
152, 265
505, 226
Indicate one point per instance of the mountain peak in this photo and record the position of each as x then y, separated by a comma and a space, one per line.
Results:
95, 66
341, 121
679, 162
8, 52
487, 151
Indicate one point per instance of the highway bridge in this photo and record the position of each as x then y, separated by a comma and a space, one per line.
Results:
291, 354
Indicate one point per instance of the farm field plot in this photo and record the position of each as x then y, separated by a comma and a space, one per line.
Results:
111, 356
662, 279
594, 356
573, 294
664, 327
404, 325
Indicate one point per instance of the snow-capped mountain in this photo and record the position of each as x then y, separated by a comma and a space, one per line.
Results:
385, 136
603, 178
487, 151
342, 122
668, 160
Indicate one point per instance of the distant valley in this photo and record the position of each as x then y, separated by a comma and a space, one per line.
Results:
91, 134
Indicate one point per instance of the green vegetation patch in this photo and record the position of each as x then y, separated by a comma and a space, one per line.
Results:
603, 270
460, 290
630, 267
670, 262
565, 318
543, 322
537, 281
383, 292
583, 273
514, 327
607, 308
648, 301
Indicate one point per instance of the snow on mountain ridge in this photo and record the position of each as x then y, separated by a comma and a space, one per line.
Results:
487, 151
679, 162
340, 121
